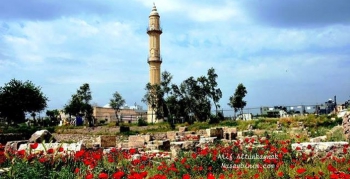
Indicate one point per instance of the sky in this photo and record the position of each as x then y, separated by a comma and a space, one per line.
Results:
284, 52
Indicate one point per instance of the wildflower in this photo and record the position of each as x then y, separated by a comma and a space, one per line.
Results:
210, 176
301, 170
309, 146
194, 155
186, 176
21, 152
60, 149
183, 161
118, 175
89, 176
79, 154
76, 170
331, 168
103, 176
132, 151
280, 174
50, 151
284, 150
42, 160
34, 146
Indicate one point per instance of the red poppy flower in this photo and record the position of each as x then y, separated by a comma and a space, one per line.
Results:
284, 150
334, 176
103, 176
309, 146
256, 175
118, 175
76, 170
186, 176
331, 168
132, 151
60, 149
50, 151
280, 174
301, 170
42, 159
34, 146
89, 176
210, 176
21, 152
79, 154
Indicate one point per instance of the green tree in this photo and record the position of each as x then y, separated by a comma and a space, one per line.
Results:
192, 98
18, 98
210, 86
236, 101
116, 103
80, 104
54, 115
154, 98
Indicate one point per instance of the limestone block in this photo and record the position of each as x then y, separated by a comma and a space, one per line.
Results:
55, 146
123, 145
318, 139
147, 138
14, 145
152, 146
212, 132
230, 130
171, 135
42, 135
205, 140
182, 129
159, 136
136, 144
175, 149
319, 146
133, 138
189, 145
163, 144
106, 141
202, 132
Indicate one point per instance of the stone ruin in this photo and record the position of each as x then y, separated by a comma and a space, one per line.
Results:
346, 125
171, 141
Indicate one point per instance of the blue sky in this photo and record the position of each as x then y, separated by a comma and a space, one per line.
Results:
285, 52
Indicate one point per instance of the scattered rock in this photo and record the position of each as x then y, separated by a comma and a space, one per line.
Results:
41, 136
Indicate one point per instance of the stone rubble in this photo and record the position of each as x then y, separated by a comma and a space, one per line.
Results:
172, 141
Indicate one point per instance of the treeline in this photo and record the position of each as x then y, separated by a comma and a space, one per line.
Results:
189, 101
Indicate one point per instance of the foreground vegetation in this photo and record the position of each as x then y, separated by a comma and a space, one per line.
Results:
277, 160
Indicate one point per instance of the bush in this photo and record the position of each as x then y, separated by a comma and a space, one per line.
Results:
215, 119
142, 122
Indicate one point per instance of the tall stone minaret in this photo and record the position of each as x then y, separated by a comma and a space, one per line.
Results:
154, 59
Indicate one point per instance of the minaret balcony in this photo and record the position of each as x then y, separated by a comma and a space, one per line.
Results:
153, 29
154, 59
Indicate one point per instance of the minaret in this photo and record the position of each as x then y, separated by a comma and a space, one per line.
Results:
154, 59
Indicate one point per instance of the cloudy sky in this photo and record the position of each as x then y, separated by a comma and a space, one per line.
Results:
285, 52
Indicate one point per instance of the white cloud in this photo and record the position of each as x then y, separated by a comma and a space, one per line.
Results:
110, 53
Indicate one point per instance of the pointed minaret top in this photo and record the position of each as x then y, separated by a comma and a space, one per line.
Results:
154, 10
